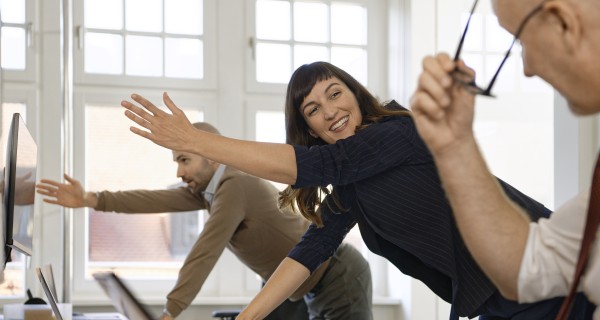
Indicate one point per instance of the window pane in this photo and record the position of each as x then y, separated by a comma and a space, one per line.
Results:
144, 56
270, 126
184, 17
273, 20
475, 61
508, 79
273, 63
13, 285
13, 48
103, 53
474, 39
146, 241
348, 24
184, 58
352, 60
143, 15
311, 22
13, 11
103, 14
497, 39
308, 54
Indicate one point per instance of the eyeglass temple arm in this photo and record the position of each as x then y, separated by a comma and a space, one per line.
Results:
489, 88
462, 38
517, 35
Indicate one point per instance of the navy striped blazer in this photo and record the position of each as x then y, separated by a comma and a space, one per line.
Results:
387, 182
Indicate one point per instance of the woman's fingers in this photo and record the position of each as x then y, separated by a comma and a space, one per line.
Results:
170, 104
147, 104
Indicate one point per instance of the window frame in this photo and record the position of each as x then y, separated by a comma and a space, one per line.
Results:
85, 289
209, 82
375, 42
271, 97
31, 45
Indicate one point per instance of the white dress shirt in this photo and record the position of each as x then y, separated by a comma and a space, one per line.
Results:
551, 254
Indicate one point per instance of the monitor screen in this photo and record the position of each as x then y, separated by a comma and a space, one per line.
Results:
19, 188
2, 218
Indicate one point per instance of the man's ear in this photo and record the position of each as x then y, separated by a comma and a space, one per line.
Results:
567, 17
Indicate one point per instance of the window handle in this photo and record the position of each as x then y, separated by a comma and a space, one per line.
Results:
29, 34
252, 45
79, 37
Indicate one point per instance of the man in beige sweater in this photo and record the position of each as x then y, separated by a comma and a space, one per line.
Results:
244, 217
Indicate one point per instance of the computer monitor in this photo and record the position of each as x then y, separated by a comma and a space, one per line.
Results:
19, 188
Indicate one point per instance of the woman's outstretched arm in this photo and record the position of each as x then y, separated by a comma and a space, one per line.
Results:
272, 161
285, 280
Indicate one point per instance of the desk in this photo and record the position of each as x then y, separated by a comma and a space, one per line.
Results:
99, 316
92, 316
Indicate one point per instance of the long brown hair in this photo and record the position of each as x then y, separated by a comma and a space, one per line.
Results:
307, 200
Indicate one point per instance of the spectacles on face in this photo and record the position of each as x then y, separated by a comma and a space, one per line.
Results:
468, 80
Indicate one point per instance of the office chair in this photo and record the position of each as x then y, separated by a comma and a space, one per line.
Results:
226, 314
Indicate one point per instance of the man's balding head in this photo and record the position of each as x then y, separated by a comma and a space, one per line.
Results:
204, 126
560, 44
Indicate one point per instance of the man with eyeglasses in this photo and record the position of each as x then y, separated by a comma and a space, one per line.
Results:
527, 261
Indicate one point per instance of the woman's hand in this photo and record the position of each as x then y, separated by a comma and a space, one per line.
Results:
173, 131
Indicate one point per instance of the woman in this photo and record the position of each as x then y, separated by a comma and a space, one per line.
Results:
383, 178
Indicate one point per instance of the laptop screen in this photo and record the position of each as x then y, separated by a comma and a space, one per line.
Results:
49, 295
121, 297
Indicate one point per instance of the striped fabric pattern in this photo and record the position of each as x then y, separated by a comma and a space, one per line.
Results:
387, 179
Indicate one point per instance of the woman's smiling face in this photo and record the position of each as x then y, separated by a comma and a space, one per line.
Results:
331, 111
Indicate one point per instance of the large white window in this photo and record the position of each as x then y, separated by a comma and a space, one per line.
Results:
17, 39
155, 42
139, 245
17, 70
121, 47
109, 157
290, 33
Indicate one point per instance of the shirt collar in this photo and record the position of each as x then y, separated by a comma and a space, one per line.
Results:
209, 192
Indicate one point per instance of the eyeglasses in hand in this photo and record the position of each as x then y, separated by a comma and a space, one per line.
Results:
467, 79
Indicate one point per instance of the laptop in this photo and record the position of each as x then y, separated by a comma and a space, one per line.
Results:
121, 297
49, 294
76, 316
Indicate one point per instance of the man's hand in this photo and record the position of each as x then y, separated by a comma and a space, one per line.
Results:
70, 194
442, 108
